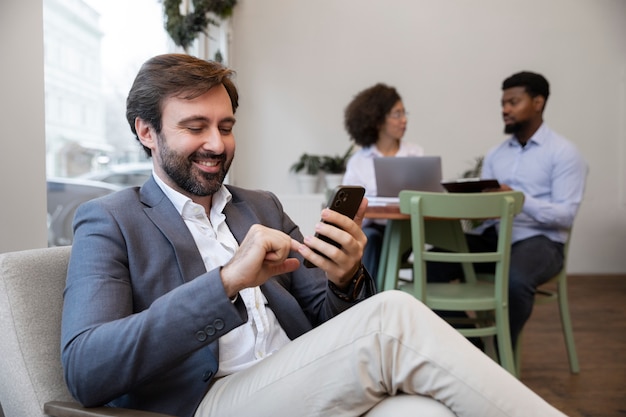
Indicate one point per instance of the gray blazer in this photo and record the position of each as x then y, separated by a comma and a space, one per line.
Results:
142, 316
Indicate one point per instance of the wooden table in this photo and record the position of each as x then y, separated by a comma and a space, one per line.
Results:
445, 234
390, 211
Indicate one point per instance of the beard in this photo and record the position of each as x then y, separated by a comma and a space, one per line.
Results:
515, 127
186, 176
512, 128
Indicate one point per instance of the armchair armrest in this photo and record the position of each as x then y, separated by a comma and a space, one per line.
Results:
70, 409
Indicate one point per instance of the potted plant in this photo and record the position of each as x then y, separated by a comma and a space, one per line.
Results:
475, 171
307, 168
334, 167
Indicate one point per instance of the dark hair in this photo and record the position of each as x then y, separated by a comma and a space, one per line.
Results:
534, 84
366, 113
173, 75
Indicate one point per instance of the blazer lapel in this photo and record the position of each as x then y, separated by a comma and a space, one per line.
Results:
239, 218
287, 310
167, 219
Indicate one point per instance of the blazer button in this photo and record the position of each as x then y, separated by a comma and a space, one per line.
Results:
210, 330
201, 336
206, 376
219, 324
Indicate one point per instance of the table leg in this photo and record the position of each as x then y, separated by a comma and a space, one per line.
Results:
446, 234
396, 242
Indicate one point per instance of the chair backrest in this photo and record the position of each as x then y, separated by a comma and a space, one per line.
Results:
425, 205
31, 301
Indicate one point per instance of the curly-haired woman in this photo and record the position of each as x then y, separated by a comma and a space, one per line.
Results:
376, 121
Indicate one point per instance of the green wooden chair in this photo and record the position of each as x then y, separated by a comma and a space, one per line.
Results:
555, 290
487, 301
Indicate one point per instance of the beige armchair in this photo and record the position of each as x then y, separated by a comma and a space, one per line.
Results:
31, 376
31, 299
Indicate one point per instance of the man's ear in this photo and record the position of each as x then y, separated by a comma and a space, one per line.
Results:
145, 133
539, 103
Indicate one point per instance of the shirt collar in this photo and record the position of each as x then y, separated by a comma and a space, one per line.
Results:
372, 150
179, 200
538, 138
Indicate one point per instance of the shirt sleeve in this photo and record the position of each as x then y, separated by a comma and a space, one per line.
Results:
567, 185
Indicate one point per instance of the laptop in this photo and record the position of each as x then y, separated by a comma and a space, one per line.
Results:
418, 173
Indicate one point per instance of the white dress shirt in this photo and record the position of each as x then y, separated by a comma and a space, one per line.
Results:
262, 334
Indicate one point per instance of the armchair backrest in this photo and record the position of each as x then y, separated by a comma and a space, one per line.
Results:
31, 301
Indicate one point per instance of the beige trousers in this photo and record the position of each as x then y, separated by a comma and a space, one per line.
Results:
387, 345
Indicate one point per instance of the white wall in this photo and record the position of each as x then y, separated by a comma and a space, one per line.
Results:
299, 62
22, 158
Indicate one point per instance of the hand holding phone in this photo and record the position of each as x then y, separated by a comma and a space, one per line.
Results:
346, 200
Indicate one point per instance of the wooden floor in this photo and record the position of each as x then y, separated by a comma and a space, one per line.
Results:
598, 310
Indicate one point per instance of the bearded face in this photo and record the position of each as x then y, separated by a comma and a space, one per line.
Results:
184, 173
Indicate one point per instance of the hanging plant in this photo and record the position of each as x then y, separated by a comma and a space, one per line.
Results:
184, 29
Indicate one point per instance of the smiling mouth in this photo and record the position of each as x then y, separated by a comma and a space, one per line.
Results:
209, 164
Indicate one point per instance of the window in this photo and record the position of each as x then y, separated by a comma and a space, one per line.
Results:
93, 49
92, 52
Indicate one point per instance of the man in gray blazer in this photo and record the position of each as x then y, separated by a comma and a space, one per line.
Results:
187, 296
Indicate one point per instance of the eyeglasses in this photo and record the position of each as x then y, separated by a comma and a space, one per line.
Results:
398, 114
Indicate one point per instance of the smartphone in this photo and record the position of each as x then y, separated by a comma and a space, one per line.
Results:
346, 200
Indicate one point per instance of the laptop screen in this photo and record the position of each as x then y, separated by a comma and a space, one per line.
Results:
419, 173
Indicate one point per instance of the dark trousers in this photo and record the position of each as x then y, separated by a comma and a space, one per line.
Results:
533, 262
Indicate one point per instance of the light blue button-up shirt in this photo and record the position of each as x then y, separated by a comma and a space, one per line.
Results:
551, 173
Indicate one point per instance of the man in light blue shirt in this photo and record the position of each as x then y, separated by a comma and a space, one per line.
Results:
551, 173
